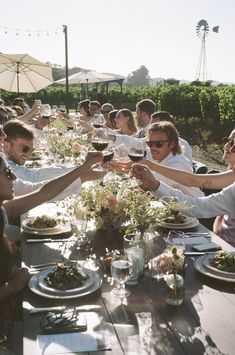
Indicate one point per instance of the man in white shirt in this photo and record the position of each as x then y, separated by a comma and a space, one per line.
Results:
18, 147
221, 203
163, 141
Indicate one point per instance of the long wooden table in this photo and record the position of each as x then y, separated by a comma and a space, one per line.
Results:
144, 323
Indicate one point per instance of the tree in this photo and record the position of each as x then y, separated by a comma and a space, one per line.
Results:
139, 77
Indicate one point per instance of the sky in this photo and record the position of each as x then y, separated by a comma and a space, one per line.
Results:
118, 36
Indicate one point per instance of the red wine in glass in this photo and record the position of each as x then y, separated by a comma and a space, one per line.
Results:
135, 157
46, 117
107, 156
99, 146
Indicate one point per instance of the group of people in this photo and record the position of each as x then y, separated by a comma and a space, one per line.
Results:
165, 170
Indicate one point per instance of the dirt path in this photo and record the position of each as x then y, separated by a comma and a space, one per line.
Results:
212, 157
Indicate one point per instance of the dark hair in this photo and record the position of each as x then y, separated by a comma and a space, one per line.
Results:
18, 110
147, 106
162, 116
171, 132
17, 129
95, 103
111, 119
131, 122
85, 105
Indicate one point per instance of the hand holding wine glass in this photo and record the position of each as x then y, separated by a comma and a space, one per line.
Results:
121, 269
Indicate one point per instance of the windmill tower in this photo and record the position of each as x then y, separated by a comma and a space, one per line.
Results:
202, 30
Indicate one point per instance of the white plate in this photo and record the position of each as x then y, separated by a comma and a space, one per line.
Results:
214, 270
190, 222
63, 228
34, 287
42, 284
32, 229
199, 266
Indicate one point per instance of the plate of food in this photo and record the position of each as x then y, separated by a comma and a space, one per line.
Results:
222, 263
44, 225
34, 286
65, 279
180, 221
200, 266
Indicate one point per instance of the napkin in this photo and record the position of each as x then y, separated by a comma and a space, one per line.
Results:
71, 342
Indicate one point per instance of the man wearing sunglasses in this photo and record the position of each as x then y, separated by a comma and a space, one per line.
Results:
18, 147
163, 141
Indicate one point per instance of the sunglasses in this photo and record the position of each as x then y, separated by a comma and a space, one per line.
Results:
26, 149
158, 144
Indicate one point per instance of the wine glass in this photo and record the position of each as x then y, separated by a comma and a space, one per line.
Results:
62, 108
98, 120
46, 111
121, 269
136, 150
100, 141
176, 239
79, 227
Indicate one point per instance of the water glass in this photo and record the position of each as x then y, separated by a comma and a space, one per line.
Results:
134, 249
79, 227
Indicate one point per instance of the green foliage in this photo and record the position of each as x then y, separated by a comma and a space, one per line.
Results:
139, 77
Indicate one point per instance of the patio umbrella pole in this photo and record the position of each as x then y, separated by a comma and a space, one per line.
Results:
17, 77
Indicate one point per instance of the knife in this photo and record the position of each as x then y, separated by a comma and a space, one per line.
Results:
85, 308
47, 240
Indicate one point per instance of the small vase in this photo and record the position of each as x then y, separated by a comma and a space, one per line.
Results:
175, 282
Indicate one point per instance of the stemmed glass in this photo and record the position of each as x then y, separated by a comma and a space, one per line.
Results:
121, 269
79, 227
46, 111
98, 120
136, 150
100, 141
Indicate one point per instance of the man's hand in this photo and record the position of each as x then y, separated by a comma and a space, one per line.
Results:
143, 173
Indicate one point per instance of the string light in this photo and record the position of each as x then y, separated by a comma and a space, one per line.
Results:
18, 31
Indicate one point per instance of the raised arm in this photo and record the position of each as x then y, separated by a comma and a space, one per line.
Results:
22, 204
208, 181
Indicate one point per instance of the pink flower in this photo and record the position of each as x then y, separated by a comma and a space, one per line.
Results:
164, 263
111, 202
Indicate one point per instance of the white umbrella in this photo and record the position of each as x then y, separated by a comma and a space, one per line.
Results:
23, 73
91, 76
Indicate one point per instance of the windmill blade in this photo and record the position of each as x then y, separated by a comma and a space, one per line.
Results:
202, 28
215, 29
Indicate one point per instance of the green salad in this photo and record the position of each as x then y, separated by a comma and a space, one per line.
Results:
224, 261
65, 277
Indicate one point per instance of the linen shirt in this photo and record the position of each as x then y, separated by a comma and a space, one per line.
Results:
178, 161
22, 187
220, 203
36, 174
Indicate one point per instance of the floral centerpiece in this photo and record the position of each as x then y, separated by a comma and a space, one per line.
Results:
123, 203
171, 264
69, 146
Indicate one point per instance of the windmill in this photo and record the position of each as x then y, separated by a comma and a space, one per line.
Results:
202, 30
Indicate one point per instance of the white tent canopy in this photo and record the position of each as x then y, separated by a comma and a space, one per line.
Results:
90, 77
